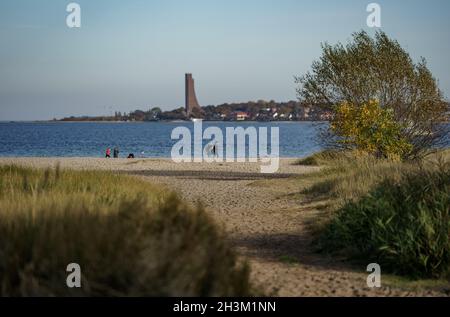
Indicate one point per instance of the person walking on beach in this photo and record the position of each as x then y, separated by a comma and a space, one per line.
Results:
116, 152
108, 153
214, 150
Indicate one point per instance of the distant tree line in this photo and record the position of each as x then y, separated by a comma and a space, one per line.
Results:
260, 110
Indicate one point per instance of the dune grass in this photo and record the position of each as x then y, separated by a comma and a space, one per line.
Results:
403, 226
129, 237
393, 213
324, 158
348, 176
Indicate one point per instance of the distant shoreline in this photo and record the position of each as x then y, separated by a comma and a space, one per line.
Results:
161, 121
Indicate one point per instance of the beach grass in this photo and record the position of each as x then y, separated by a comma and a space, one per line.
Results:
348, 176
324, 158
130, 238
396, 214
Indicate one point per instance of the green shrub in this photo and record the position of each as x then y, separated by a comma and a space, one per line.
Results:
403, 226
129, 237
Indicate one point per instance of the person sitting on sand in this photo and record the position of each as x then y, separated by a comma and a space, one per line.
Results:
108, 153
131, 156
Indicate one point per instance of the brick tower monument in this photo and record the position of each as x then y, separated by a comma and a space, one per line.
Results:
191, 99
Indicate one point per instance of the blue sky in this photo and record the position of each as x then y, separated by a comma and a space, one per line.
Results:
133, 54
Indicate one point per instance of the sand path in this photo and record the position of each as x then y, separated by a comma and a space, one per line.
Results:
264, 216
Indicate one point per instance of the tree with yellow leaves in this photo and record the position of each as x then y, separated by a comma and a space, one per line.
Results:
370, 129
348, 78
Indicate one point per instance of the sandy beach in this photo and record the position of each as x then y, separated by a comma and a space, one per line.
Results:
265, 218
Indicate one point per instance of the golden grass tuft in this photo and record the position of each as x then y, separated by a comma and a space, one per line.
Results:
130, 238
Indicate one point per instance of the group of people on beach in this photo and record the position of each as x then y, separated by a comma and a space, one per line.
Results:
116, 153
212, 150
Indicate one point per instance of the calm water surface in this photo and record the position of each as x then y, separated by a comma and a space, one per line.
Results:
90, 139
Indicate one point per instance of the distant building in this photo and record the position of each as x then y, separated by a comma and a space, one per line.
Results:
191, 98
304, 113
326, 116
241, 116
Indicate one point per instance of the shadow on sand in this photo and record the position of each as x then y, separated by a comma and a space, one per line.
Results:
290, 249
209, 175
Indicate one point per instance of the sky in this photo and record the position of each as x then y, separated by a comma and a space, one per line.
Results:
133, 54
